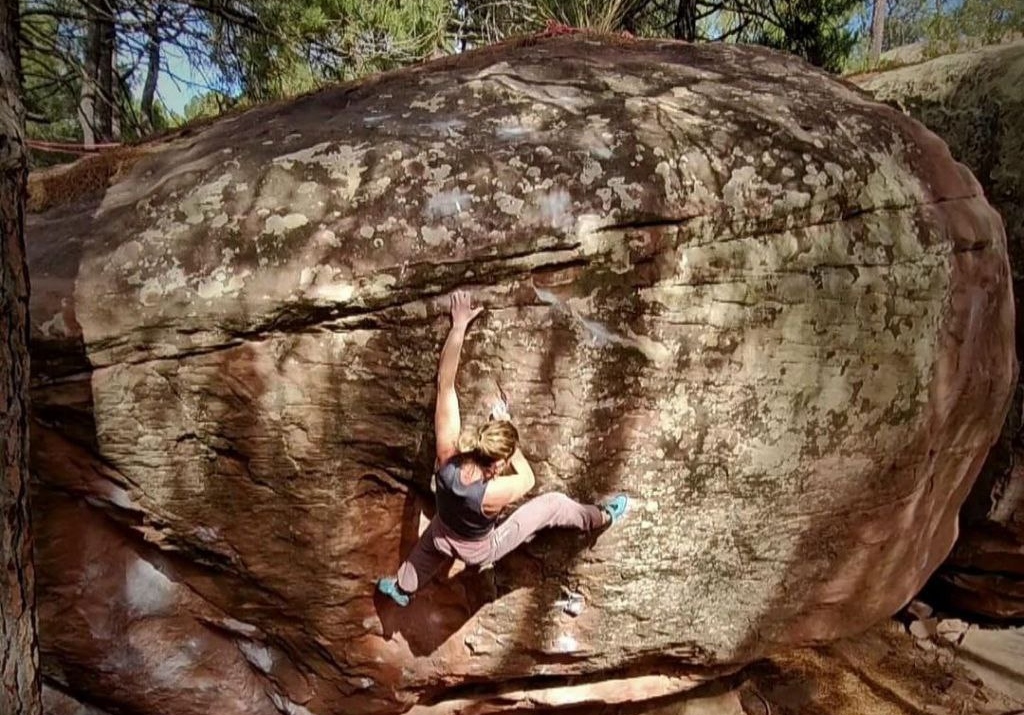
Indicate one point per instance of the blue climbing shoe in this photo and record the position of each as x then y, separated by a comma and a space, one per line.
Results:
389, 587
615, 507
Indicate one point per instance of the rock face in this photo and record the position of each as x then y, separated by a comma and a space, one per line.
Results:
975, 101
776, 313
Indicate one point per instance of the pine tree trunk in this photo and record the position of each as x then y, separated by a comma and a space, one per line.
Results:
105, 75
877, 31
90, 67
153, 68
95, 107
19, 652
685, 25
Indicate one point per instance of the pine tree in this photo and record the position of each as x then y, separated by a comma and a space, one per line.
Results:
19, 653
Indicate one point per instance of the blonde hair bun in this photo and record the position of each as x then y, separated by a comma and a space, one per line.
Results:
490, 441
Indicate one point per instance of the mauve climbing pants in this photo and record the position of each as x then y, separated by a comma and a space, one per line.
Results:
438, 544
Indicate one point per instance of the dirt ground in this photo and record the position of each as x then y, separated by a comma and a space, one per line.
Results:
882, 672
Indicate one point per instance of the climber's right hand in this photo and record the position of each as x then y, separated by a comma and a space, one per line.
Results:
462, 308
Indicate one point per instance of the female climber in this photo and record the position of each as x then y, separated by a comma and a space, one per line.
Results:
472, 487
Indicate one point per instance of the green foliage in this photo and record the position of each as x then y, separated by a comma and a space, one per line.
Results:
937, 27
254, 50
297, 46
597, 15
485, 21
907, 22
382, 35
247, 51
257, 56
975, 22
208, 104
51, 81
163, 119
817, 30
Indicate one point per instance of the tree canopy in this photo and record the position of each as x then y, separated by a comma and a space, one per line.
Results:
93, 70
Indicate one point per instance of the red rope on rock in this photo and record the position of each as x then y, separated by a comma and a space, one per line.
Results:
69, 148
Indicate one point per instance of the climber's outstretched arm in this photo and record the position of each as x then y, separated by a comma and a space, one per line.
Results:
447, 422
504, 490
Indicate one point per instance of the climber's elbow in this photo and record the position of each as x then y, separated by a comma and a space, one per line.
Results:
529, 482
523, 470
523, 484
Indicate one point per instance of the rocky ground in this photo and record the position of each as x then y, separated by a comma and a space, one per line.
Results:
919, 664
893, 669
884, 671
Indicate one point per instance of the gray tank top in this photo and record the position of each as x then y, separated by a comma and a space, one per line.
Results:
459, 505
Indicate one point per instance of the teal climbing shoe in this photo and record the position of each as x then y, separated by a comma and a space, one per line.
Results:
389, 587
615, 507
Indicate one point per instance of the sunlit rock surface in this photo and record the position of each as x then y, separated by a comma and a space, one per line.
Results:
975, 101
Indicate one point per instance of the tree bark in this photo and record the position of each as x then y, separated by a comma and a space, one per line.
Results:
19, 650
105, 72
877, 31
87, 95
95, 106
632, 16
685, 25
153, 68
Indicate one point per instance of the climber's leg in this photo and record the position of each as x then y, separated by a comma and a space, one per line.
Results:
548, 510
422, 564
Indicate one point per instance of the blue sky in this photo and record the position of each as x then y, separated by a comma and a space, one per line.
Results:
176, 91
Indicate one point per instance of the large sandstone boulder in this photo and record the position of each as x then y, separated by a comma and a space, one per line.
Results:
975, 101
776, 313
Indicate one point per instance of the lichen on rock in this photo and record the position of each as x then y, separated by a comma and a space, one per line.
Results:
975, 102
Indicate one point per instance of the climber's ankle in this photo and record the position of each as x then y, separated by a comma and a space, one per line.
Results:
390, 588
614, 508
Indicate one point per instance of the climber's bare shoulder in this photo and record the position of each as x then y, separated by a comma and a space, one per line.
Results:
504, 490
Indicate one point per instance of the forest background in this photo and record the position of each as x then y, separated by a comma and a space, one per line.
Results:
98, 72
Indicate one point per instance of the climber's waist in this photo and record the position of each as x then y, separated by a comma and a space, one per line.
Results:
464, 532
